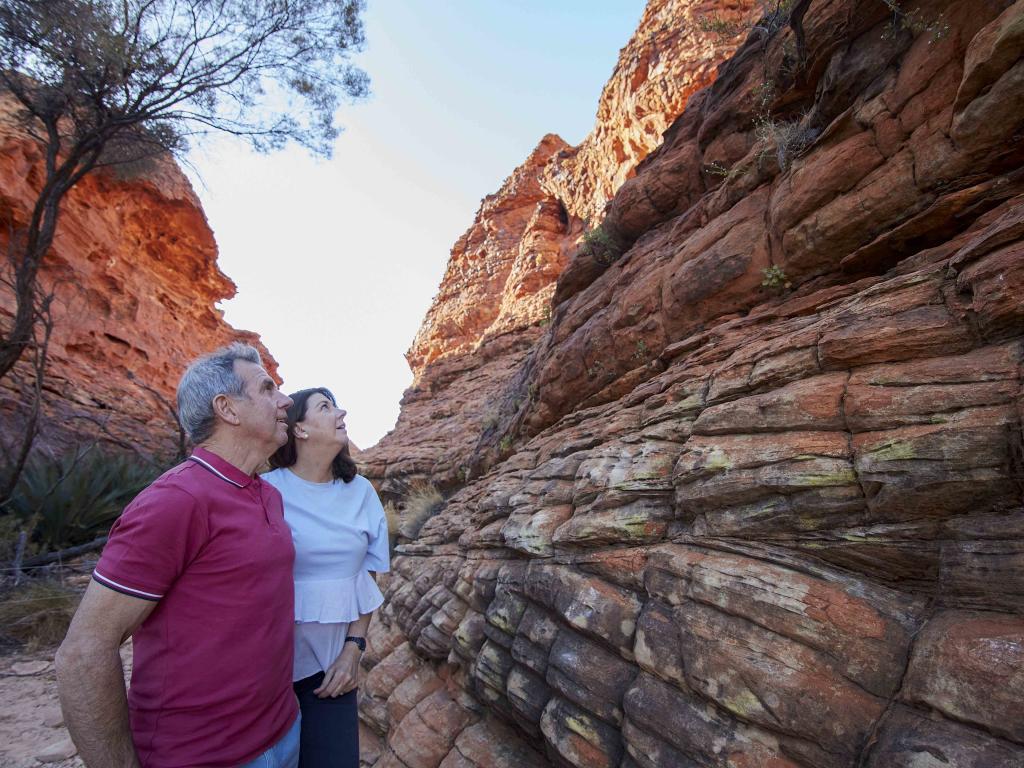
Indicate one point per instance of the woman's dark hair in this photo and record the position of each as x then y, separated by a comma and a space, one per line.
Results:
343, 467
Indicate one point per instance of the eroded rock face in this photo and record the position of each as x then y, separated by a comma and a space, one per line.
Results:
495, 299
677, 46
748, 516
135, 269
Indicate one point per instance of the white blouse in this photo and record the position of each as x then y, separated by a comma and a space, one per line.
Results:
340, 534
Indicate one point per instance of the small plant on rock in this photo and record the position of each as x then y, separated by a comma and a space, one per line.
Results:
723, 29
775, 278
915, 22
765, 93
715, 168
490, 420
788, 138
545, 317
776, 15
602, 244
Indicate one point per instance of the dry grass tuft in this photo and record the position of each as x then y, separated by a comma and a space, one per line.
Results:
423, 502
37, 614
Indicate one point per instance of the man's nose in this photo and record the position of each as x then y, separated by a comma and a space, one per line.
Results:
287, 401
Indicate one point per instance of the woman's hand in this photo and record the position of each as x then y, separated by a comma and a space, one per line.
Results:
343, 675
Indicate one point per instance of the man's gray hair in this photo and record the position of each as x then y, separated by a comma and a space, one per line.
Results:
209, 376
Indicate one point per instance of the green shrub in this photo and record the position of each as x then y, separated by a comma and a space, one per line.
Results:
775, 278
602, 244
74, 499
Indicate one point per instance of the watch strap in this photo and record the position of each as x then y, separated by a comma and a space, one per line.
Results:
359, 641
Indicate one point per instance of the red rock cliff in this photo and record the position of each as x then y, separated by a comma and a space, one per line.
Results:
135, 266
495, 298
754, 496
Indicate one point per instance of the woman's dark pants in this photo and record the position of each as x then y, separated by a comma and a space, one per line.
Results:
330, 727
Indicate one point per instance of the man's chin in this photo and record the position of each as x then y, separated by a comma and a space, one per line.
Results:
281, 435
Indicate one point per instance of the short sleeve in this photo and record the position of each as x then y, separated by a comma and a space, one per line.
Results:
378, 558
152, 542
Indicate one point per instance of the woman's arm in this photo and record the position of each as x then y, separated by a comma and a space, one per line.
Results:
343, 674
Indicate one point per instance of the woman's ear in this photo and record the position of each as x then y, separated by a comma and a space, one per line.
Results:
299, 432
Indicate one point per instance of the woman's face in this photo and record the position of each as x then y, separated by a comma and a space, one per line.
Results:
323, 424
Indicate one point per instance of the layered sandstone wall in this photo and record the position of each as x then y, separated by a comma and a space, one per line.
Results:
134, 266
756, 495
494, 301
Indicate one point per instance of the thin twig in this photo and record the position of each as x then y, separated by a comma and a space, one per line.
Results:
19, 553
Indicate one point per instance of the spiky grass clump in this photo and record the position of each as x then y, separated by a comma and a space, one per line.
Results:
77, 497
423, 502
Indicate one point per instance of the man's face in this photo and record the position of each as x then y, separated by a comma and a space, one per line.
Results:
263, 410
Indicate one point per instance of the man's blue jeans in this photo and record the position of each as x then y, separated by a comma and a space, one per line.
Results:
284, 754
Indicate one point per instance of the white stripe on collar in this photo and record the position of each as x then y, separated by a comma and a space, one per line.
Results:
215, 471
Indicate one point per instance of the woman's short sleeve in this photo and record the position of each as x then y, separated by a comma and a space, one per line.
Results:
378, 558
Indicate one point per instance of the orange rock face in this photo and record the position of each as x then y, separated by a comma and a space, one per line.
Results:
134, 264
673, 54
496, 294
502, 270
753, 496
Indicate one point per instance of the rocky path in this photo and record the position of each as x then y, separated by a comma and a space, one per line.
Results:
32, 731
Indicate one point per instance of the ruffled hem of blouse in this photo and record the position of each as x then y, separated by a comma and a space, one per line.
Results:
336, 600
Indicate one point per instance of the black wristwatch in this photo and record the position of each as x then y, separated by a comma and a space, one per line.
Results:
359, 641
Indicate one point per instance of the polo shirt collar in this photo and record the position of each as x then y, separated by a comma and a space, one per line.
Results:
225, 470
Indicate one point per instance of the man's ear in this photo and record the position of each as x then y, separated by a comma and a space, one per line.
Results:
224, 408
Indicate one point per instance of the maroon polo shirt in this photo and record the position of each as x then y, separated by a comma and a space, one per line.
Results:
212, 679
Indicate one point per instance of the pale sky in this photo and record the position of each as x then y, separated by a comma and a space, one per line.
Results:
337, 261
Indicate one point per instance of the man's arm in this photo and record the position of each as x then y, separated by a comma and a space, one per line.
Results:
90, 678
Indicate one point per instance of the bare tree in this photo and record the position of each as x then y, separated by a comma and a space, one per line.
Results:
15, 455
104, 82
112, 82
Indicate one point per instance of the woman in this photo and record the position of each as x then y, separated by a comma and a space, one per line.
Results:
340, 536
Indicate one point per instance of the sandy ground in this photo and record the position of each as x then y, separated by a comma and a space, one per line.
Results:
32, 731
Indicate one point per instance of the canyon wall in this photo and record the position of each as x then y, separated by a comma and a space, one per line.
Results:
494, 301
134, 267
753, 494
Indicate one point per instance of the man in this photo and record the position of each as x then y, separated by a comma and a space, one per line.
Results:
198, 570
